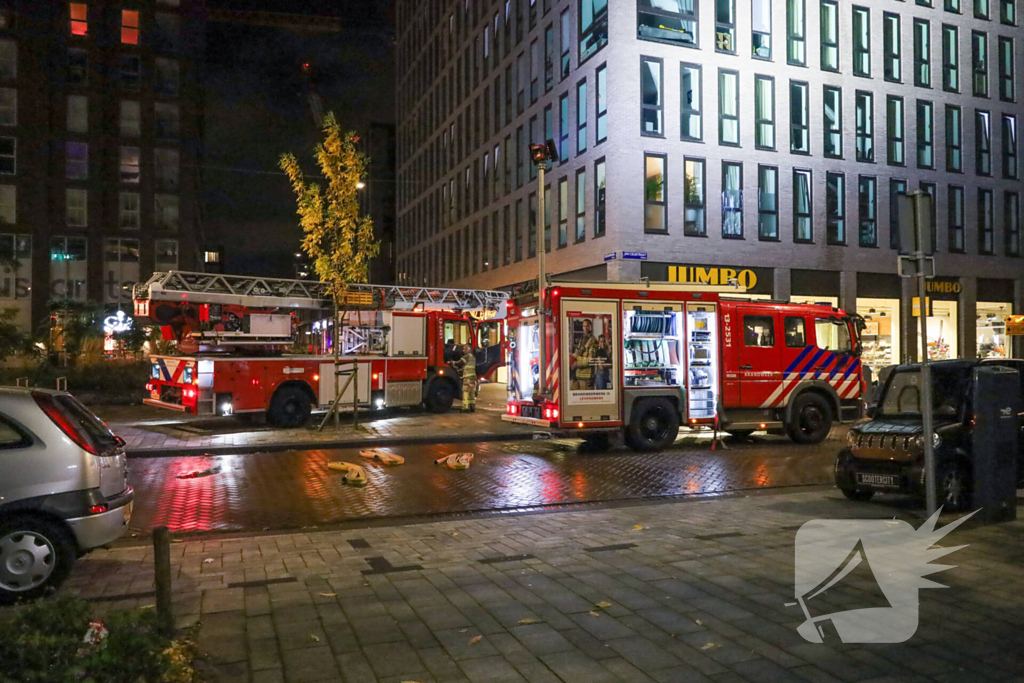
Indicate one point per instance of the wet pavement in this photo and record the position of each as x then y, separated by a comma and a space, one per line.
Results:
295, 489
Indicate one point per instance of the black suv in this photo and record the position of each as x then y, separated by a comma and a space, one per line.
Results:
886, 455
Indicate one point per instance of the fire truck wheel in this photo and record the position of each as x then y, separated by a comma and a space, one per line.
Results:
653, 425
290, 407
811, 419
440, 396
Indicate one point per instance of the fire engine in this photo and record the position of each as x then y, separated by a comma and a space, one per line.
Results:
643, 358
264, 345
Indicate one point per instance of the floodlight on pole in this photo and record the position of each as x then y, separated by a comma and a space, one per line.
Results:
541, 154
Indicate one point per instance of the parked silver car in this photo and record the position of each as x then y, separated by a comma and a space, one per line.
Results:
63, 488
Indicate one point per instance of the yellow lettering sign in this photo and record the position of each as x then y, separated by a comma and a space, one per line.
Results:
746, 278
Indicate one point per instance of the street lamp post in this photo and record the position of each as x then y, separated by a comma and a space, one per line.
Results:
541, 154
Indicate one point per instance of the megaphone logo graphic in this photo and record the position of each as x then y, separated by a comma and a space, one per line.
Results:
877, 563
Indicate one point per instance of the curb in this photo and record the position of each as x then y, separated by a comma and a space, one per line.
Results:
381, 442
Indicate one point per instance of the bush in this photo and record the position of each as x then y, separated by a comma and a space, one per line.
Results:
105, 381
43, 642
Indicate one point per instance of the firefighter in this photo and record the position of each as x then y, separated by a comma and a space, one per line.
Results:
466, 366
583, 377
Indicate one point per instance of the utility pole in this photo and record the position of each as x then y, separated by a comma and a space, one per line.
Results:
915, 211
540, 155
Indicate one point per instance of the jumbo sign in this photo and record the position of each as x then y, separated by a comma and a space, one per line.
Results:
699, 275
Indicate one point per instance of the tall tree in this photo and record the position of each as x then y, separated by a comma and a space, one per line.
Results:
338, 239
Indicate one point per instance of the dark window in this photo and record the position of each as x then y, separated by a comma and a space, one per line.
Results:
985, 237
982, 143
922, 53
593, 27
981, 9
892, 63
832, 103
896, 188
925, 135
865, 126
78, 67
761, 29
11, 437
767, 203
563, 212
799, 118
1006, 89
796, 336
1009, 146
796, 32
956, 219
581, 117
835, 208
599, 198
829, 11
954, 140
728, 107
758, 330
979, 63
566, 29
601, 101
895, 134
652, 103
861, 42
1008, 12
764, 112
867, 197
725, 26
581, 204
1011, 222
732, 199
803, 230
690, 101
950, 59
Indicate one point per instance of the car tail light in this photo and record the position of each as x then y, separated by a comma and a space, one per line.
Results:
547, 413
68, 426
554, 413
98, 509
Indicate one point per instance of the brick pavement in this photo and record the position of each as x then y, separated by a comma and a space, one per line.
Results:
149, 430
698, 593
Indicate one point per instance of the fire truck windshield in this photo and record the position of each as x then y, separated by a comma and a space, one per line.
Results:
833, 334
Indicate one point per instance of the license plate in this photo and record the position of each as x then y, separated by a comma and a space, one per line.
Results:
892, 480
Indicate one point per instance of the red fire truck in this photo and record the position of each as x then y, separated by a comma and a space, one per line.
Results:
264, 345
644, 358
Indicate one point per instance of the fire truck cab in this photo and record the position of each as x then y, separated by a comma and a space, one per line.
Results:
644, 359
266, 345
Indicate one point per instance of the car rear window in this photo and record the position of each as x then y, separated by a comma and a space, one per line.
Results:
102, 438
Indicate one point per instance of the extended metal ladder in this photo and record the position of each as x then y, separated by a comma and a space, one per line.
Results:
267, 292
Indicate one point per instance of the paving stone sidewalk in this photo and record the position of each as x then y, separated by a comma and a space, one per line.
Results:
680, 591
152, 431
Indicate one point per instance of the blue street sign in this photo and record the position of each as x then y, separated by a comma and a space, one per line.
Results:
635, 255
610, 257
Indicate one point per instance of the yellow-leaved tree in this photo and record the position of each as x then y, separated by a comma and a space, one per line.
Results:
336, 237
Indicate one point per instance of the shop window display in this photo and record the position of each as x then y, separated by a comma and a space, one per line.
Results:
991, 330
942, 330
881, 335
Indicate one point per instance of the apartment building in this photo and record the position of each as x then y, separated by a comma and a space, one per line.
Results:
762, 141
99, 135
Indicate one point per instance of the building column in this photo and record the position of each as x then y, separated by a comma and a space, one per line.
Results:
908, 323
1017, 347
782, 288
621, 270
967, 313
848, 291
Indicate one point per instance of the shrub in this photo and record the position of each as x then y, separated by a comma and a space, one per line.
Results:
43, 642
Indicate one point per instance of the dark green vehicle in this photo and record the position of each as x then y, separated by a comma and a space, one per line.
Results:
886, 455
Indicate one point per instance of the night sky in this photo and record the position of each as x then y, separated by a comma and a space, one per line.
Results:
256, 108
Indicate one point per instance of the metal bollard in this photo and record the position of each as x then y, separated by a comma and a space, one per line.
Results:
62, 384
162, 576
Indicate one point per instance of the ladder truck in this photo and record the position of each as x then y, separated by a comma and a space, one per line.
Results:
256, 345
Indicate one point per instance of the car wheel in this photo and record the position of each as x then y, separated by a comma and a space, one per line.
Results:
440, 396
952, 487
290, 407
860, 495
811, 419
36, 556
654, 425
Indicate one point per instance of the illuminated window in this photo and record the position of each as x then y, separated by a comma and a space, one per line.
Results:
129, 27
129, 164
211, 257
79, 19
76, 208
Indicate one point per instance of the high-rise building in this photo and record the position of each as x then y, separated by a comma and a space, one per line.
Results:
99, 130
762, 141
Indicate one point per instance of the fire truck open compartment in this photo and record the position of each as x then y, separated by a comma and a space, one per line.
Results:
645, 358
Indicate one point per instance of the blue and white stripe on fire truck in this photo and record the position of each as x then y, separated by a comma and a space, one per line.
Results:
840, 370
